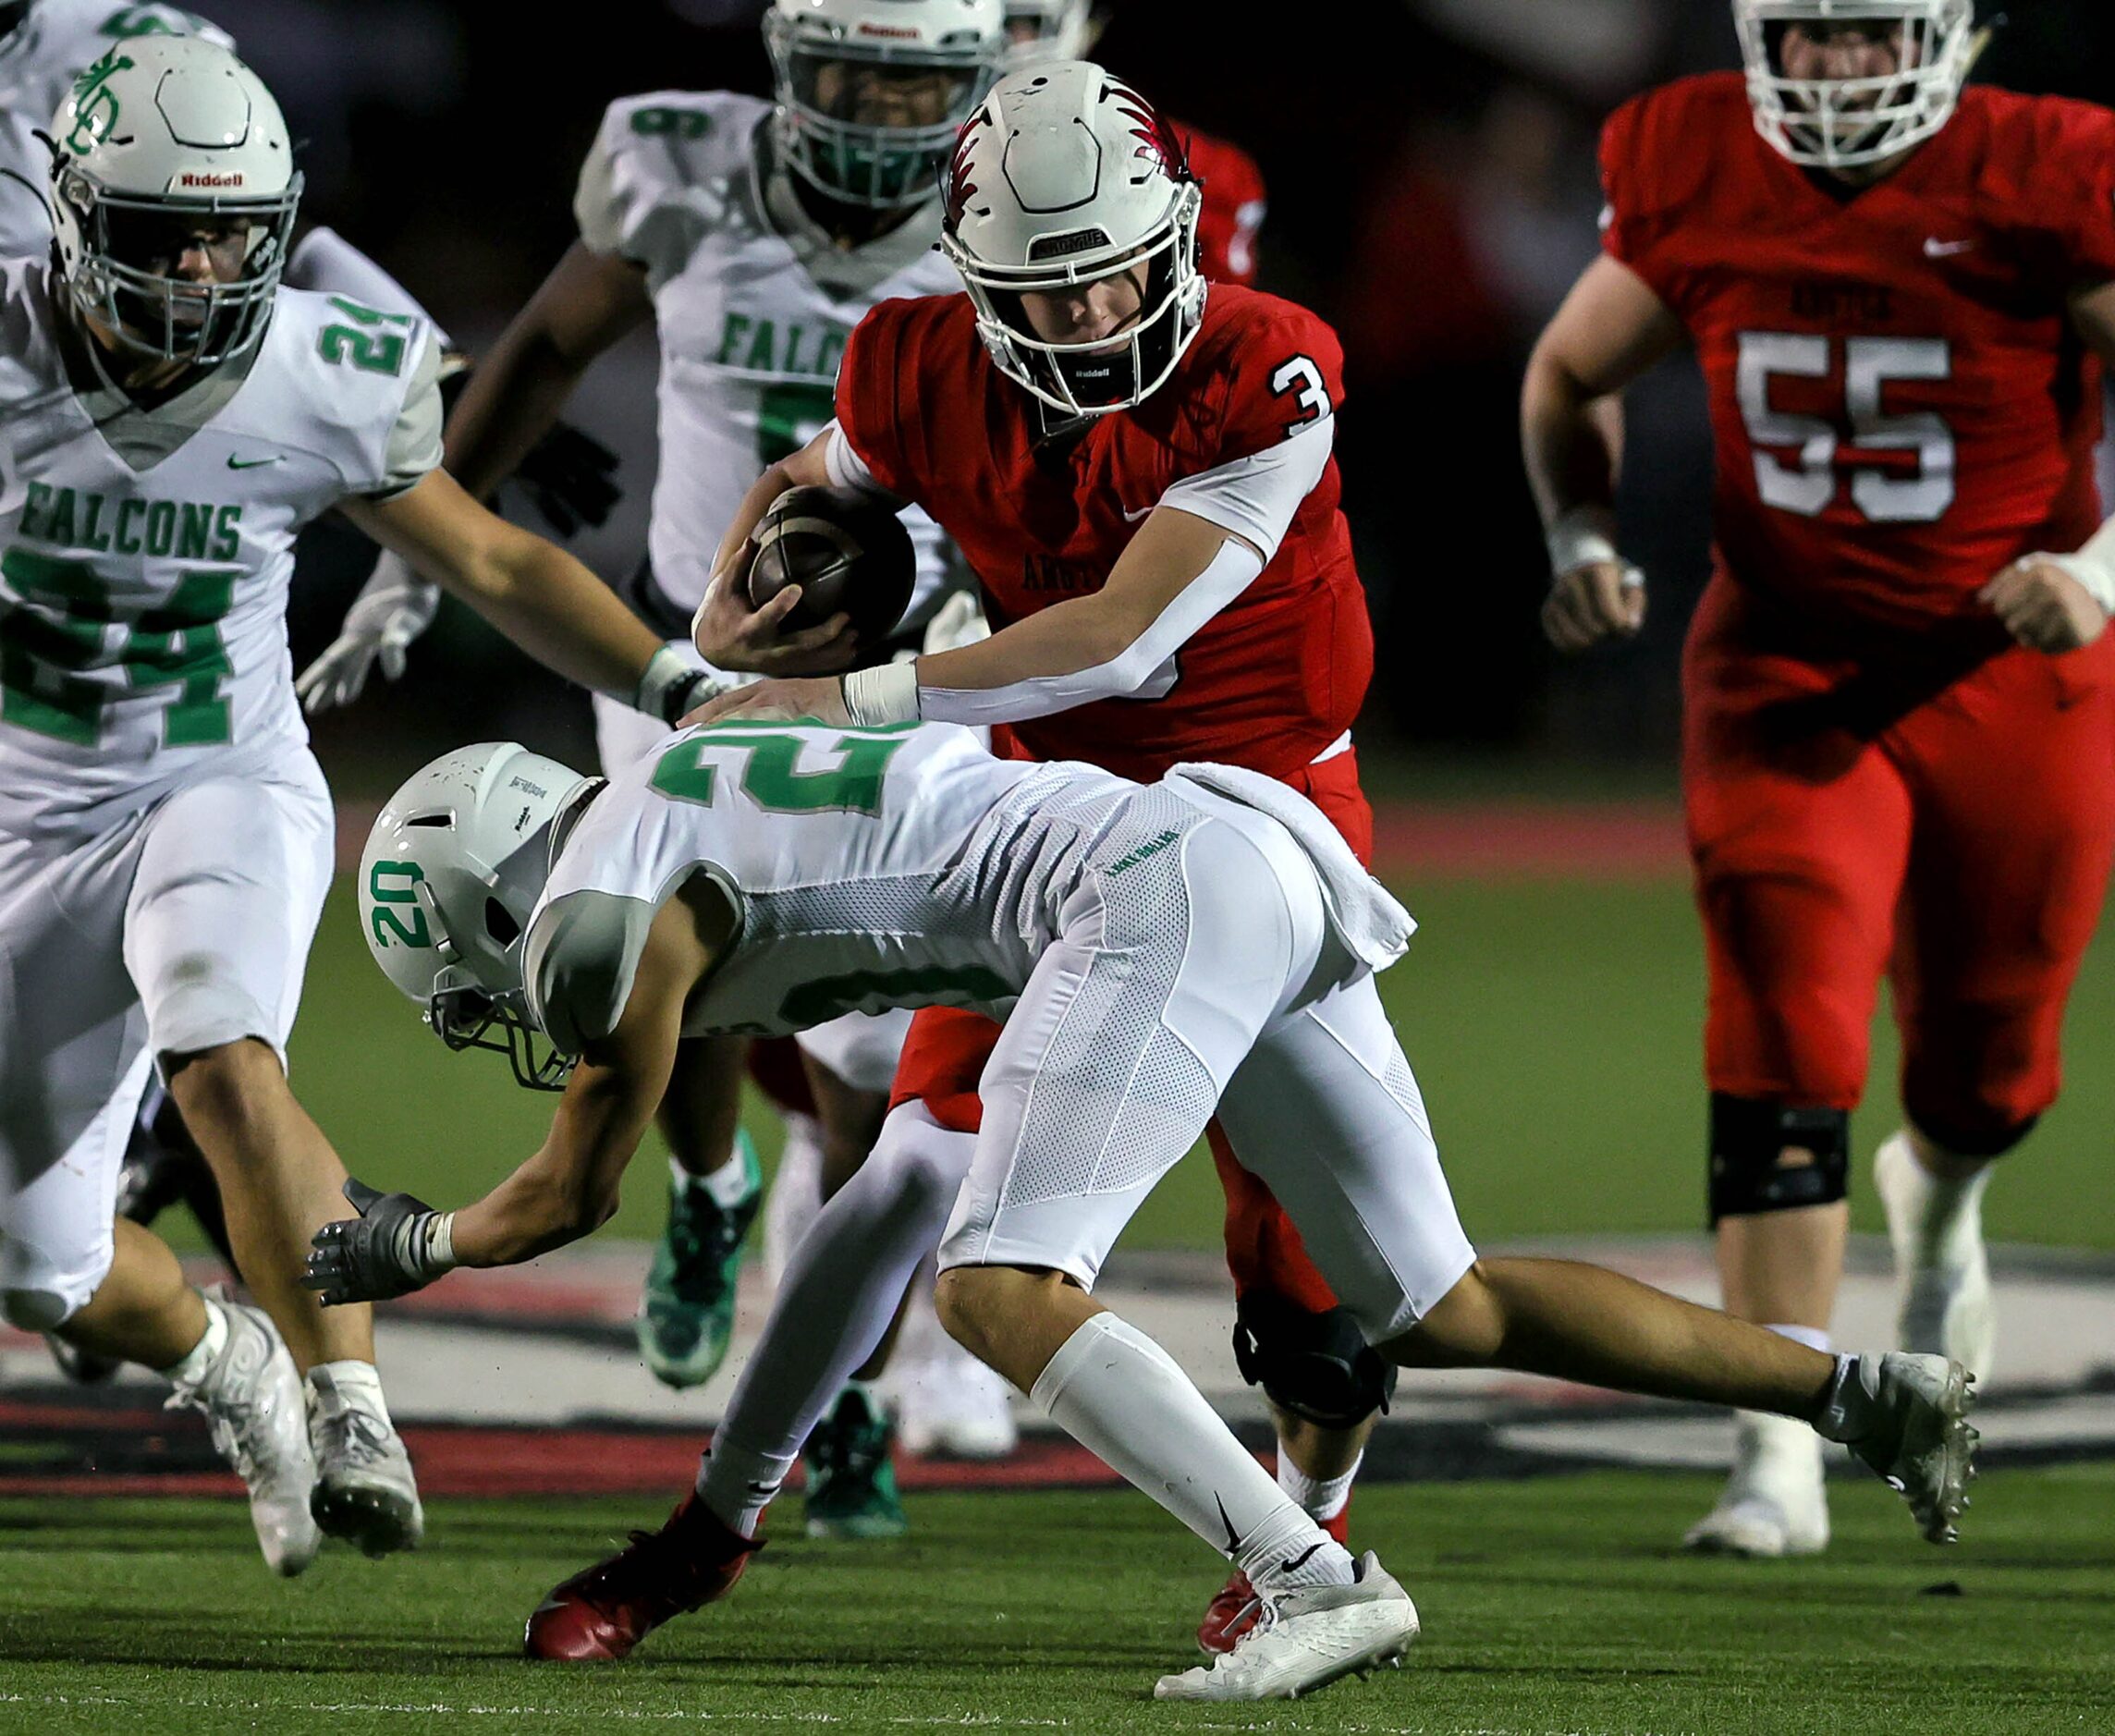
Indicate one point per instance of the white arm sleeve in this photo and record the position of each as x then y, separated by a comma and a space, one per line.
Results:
1132, 670
323, 260
1255, 497
848, 470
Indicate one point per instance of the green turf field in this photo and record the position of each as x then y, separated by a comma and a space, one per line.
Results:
1552, 1606
1555, 1025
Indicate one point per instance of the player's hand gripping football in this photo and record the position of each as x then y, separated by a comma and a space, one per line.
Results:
1592, 602
729, 634
398, 1244
393, 608
2044, 605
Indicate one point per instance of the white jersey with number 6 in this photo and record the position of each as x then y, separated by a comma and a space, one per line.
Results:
753, 301
145, 554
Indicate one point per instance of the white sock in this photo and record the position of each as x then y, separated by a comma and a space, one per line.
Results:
795, 1195
1941, 1210
737, 1484
353, 1382
1814, 1337
189, 1369
1320, 1498
732, 1183
843, 1284
1123, 1398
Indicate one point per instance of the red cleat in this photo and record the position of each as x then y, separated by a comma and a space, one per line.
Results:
1231, 1614
1236, 1608
600, 1614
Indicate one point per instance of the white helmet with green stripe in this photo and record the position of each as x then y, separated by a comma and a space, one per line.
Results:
453, 867
165, 149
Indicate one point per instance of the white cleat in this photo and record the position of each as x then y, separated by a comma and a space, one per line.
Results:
1306, 1640
1775, 1503
251, 1399
365, 1492
1942, 1275
1907, 1417
952, 1404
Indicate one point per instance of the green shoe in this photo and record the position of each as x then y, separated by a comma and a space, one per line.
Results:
851, 1485
686, 1317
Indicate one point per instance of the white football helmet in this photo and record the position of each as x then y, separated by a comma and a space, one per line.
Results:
452, 869
1845, 123
163, 133
871, 92
1037, 31
1064, 176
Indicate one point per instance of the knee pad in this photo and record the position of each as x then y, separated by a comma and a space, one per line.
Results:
1748, 1138
1318, 1366
36, 1309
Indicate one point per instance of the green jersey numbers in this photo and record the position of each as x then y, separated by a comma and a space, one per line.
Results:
671, 123
395, 884
790, 414
772, 775
64, 633
369, 343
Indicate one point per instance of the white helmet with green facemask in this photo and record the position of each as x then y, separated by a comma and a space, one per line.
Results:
452, 870
167, 147
870, 92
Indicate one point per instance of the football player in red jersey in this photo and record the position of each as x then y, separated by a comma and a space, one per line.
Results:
1900, 698
1237, 613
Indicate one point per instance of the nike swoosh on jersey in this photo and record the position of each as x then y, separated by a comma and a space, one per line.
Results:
1132, 518
1935, 249
235, 463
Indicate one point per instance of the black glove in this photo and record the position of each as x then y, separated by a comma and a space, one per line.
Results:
685, 697
571, 478
387, 1251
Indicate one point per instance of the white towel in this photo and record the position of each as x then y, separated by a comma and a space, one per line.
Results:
1372, 926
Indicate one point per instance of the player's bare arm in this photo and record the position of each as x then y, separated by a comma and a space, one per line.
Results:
1102, 645
531, 591
1612, 329
569, 1188
2060, 601
588, 303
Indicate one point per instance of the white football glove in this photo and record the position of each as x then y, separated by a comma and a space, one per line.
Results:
957, 622
393, 608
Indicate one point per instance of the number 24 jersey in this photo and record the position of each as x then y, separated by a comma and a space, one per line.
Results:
1901, 403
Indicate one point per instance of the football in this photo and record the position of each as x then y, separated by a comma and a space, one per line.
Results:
845, 550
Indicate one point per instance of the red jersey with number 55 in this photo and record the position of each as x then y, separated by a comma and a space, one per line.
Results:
1269, 681
1901, 404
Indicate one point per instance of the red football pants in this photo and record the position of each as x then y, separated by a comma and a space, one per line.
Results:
1957, 841
945, 1055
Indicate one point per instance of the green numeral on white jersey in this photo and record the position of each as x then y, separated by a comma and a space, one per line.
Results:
770, 774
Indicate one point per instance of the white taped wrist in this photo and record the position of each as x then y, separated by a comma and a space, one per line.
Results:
1583, 536
888, 695
2093, 567
441, 1244
664, 671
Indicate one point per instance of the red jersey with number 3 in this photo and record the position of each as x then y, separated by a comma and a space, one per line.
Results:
1233, 206
1269, 681
1901, 406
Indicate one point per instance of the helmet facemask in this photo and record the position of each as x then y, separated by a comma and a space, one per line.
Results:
123, 277
1094, 377
1037, 31
1840, 123
868, 123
